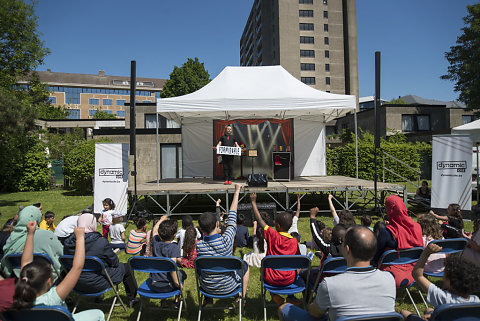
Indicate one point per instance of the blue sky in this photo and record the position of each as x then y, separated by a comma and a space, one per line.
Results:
87, 36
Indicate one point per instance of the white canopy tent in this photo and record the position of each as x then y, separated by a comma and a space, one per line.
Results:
255, 93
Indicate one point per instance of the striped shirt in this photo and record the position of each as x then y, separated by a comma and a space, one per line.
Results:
220, 245
135, 242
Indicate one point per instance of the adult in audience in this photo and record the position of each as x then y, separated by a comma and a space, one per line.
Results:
361, 289
401, 233
96, 245
45, 241
65, 228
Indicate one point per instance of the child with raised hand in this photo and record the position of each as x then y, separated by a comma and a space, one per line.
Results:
431, 231
163, 234
344, 217
34, 286
106, 216
294, 227
452, 223
279, 242
461, 279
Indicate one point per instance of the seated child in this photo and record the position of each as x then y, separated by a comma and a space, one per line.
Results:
279, 242
366, 220
452, 223
163, 234
117, 233
259, 247
137, 238
187, 221
431, 231
461, 279
472, 252
214, 244
344, 217
47, 223
189, 249
241, 236
34, 286
301, 247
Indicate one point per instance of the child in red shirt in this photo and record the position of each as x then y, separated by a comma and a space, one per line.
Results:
279, 242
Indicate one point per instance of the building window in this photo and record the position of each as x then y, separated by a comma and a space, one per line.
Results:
147, 101
414, 123
307, 66
52, 100
110, 112
107, 102
151, 121
305, 13
467, 119
308, 80
327, 67
171, 160
307, 39
120, 102
325, 27
325, 14
306, 26
73, 114
94, 101
305, 1
307, 53
120, 113
327, 54
325, 40
92, 112
327, 80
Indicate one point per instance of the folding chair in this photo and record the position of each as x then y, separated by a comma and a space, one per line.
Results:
39, 313
404, 256
216, 266
457, 311
284, 263
390, 316
15, 261
449, 246
92, 264
331, 266
155, 265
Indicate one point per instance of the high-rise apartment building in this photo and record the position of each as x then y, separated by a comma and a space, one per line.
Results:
83, 95
314, 40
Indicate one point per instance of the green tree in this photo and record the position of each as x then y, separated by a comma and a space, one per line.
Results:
101, 114
190, 77
464, 60
398, 101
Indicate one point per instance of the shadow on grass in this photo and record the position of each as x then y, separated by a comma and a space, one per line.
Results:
11, 203
76, 193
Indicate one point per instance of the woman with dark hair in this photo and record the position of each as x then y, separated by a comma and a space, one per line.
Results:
96, 245
227, 160
401, 233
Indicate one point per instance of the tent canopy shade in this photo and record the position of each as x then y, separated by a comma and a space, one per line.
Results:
256, 92
472, 128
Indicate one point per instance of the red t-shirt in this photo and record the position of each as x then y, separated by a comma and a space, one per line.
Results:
280, 243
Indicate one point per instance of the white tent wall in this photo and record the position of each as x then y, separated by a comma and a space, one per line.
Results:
309, 145
197, 138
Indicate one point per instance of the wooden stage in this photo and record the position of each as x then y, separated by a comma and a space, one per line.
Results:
350, 190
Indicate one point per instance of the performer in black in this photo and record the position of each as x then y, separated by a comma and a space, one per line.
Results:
227, 160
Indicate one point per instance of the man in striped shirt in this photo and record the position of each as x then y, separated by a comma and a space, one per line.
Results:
215, 244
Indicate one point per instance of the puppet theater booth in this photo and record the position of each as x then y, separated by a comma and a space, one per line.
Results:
270, 111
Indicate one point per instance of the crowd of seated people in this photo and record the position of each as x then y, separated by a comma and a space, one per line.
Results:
362, 289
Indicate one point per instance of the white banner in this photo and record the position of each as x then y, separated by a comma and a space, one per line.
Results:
452, 171
111, 176
227, 150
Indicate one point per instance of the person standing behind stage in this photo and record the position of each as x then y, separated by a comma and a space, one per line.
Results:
227, 160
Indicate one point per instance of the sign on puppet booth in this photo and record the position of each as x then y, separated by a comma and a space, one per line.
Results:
264, 135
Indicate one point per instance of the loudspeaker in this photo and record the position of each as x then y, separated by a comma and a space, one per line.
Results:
257, 180
281, 166
246, 210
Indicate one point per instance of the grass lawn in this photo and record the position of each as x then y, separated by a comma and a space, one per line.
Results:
63, 203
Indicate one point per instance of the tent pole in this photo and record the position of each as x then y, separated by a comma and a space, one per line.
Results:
156, 151
478, 182
356, 144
